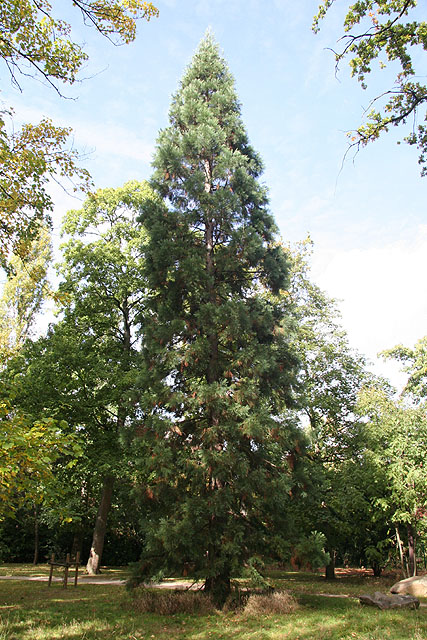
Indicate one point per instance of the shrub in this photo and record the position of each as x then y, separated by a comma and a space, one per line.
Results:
168, 603
279, 602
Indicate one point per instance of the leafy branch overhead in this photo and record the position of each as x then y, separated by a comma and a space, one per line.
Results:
29, 159
36, 43
389, 33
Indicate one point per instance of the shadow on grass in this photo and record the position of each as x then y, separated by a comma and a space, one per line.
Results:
32, 611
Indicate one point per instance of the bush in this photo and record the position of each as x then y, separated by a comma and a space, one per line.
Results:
310, 551
279, 602
167, 603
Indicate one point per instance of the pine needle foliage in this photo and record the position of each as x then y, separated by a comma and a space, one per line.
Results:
220, 371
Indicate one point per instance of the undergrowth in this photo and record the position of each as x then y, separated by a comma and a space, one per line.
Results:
167, 602
277, 603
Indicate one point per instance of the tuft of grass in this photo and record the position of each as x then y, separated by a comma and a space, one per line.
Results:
167, 603
276, 603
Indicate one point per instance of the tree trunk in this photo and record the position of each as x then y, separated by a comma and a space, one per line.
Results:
77, 542
412, 558
36, 535
402, 558
330, 568
218, 587
94, 562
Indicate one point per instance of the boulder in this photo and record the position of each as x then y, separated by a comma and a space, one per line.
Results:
383, 601
416, 586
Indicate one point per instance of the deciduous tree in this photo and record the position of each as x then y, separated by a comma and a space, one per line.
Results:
330, 377
414, 363
396, 442
87, 368
104, 277
35, 41
30, 449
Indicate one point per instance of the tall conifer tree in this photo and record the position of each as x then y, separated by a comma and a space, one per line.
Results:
220, 370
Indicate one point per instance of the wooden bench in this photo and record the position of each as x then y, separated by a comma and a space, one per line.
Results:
66, 564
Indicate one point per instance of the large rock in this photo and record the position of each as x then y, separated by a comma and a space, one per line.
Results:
416, 586
383, 601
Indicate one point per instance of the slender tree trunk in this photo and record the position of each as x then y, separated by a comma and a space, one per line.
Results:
94, 562
401, 555
36, 535
412, 557
77, 542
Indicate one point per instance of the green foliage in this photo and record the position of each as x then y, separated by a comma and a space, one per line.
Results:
331, 372
414, 363
86, 370
340, 485
220, 371
23, 294
311, 550
29, 158
32, 36
397, 441
254, 573
34, 42
30, 451
385, 35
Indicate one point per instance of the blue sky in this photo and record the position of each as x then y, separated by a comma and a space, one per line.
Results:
366, 217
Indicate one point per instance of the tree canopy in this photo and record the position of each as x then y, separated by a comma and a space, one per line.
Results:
414, 363
396, 444
30, 449
23, 294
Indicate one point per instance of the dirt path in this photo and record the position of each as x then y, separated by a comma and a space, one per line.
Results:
84, 579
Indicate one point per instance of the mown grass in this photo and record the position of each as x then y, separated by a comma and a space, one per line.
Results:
350, 585
32, 611
42, 570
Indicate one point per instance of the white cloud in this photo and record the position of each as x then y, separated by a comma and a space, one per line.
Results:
103, 137
114, 140
383, 294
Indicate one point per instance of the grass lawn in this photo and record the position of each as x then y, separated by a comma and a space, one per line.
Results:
32, 611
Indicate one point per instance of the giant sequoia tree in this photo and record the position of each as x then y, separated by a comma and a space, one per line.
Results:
220, 370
